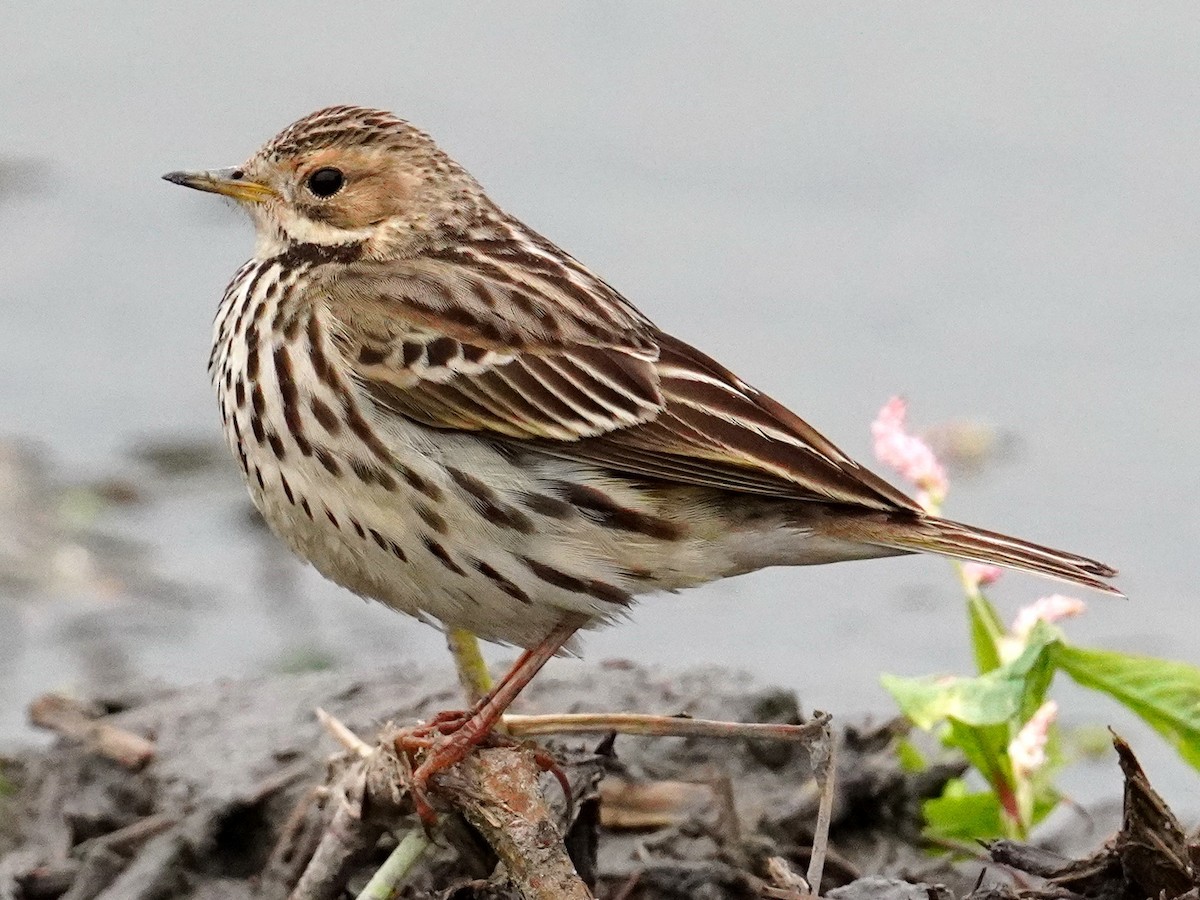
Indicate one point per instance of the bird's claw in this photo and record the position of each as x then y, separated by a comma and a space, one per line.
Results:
445, 741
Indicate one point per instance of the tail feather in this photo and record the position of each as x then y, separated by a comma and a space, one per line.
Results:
930, 534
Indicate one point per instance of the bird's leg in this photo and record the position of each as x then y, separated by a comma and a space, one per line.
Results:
472, 670
463, 732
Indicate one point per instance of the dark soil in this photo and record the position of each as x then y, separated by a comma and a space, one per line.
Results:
671, 818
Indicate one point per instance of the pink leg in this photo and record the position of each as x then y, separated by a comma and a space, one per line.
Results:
464, 733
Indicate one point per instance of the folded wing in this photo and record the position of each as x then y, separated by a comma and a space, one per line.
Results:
515, 340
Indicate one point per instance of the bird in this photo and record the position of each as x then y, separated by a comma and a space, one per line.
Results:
442, 410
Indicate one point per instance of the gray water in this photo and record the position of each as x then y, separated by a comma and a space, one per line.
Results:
992, 210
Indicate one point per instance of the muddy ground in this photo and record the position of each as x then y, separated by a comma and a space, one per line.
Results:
197, 811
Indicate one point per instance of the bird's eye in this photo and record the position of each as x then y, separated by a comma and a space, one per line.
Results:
326, 182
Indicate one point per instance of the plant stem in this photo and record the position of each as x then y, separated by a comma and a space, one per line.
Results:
385, 883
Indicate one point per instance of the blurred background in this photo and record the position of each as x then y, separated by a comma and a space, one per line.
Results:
991, 210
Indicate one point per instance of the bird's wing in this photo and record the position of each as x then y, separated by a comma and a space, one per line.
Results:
474, 342
526, 345
718, 431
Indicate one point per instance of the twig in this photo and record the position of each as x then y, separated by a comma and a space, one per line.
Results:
626, 890
783, 879
826, 774
344, 845
385, 883
73, 720
497, 790
297, 842
278, 781
662, 726
124, 839
343, 735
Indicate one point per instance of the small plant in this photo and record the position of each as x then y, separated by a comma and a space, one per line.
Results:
1001, 719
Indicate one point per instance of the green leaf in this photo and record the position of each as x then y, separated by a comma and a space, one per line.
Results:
962, 814
986, 700
986, 748
986, 632
910, 758
1166, 694
1040, 671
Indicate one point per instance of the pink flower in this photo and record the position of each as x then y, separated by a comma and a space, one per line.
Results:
977, 575
1028, 749
1047, 609
907, 453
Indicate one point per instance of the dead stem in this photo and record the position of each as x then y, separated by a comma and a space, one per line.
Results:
662, 726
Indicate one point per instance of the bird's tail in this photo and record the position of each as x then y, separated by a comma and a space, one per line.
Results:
930, 534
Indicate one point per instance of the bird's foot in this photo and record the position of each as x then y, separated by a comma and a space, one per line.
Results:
446, 740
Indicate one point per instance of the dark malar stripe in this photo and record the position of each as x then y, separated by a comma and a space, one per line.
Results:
318, 254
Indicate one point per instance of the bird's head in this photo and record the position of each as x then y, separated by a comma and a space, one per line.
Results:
349, 177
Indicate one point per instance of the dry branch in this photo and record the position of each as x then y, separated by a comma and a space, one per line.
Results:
497, 790
662, 726
73, 720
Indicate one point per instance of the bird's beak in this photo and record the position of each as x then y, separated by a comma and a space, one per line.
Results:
230, 182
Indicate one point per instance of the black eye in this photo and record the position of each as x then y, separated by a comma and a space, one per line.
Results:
326, 182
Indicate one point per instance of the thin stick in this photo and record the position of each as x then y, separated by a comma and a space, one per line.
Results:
345, 843
343, 735
385, 883
827, 775
661, 726
473, 673
124, 839
73, 720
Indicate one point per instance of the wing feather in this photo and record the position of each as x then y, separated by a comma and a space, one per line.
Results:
507, 339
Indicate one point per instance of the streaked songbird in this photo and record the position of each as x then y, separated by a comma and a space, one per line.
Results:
443, 410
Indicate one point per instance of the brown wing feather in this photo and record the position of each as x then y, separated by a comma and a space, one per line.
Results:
515, 339
716, 430
476, 347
